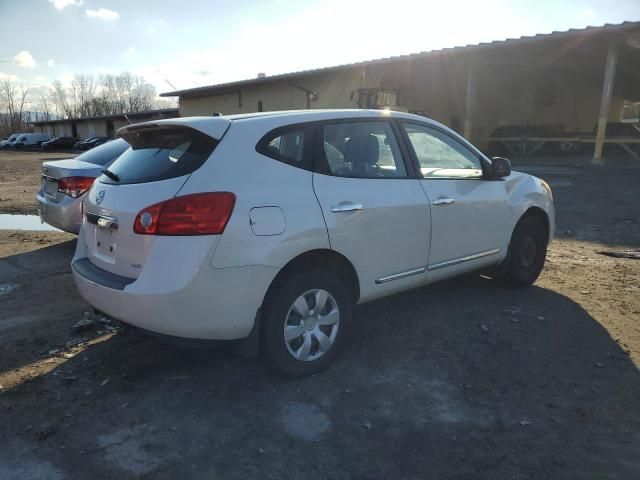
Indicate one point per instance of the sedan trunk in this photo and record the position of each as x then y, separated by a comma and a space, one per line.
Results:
53, 171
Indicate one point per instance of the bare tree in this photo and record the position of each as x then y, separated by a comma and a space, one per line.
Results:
84, 96
83, 90
12, 103
44, 108
61, 100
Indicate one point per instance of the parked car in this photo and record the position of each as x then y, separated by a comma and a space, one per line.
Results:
7, 143
76, 146
59, 143
89, 143
30, 140
64, 183
270, 227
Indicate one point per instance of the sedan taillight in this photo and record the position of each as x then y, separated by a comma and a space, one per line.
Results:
75, 186
196, 214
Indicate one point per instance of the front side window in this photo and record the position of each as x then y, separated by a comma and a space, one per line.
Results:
362, 150
441, 156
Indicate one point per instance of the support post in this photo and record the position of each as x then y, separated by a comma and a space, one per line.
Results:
469, 101
605, 101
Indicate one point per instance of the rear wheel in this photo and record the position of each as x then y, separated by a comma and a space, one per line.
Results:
527, 253
305, 320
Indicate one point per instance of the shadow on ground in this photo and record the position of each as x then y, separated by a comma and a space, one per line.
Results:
438, 382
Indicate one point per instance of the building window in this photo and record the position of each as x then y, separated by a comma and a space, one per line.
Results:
259, 105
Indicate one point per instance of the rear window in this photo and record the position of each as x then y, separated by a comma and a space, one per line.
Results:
159, 153
104, 154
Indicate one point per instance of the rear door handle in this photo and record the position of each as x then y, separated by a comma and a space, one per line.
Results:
444, 201
346, 207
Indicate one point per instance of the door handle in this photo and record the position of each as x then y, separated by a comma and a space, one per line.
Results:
346, 207
444, 201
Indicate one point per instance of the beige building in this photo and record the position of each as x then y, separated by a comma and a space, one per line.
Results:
101, 126
562, 83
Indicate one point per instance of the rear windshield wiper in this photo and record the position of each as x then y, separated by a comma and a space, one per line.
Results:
111, 175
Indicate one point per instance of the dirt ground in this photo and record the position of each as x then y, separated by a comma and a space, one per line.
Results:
20, 179
463, 379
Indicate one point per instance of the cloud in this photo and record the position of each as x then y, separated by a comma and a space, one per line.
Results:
103, 14
8, 76
60, 4
51, 63
24, 60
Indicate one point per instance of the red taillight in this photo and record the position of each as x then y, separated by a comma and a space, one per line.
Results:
75, 186
197, 214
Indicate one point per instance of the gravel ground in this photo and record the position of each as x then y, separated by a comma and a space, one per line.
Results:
463, 379
20, 179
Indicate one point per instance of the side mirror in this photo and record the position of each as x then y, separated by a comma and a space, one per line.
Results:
500, 167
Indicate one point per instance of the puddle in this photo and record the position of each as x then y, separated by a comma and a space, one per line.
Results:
24, 222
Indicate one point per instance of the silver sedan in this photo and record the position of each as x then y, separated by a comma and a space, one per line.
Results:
64, 183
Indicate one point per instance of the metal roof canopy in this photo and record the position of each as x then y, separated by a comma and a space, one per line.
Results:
115, 116
586, 46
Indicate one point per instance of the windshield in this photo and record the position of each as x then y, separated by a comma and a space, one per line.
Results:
105, 153
160, 153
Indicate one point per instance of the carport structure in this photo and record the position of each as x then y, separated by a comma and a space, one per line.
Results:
572, 84
560, 88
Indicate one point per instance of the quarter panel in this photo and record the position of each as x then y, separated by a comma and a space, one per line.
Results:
260, 181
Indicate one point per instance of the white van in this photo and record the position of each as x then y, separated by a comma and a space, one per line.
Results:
28, 140
8, 143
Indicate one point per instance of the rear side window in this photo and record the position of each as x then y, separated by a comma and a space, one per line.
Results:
159, 153
287, 144
362, 149
104, 154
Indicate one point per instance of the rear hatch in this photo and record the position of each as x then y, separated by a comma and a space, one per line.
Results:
162, 157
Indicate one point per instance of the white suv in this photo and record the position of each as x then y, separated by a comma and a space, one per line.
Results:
270, 227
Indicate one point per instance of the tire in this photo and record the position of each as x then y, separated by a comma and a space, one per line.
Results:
527, 253
327, 328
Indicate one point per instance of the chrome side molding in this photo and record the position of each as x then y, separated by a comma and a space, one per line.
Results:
398, 276
456, 261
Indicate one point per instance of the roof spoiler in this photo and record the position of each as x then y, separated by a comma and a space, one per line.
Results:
215, 127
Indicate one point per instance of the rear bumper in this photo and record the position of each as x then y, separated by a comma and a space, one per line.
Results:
65, 214
214, 304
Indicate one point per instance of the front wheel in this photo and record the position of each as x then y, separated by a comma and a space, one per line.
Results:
305, 322
527, 253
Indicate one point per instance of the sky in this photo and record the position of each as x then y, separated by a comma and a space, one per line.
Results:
189, 43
